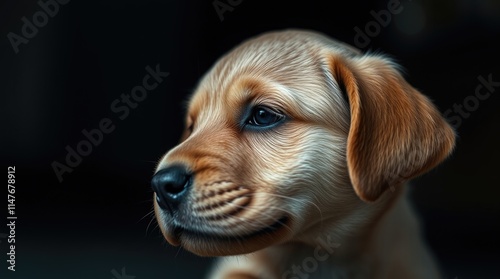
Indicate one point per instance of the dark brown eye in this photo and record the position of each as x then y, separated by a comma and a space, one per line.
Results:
263, 116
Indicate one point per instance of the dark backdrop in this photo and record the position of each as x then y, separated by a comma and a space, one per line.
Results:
95, 222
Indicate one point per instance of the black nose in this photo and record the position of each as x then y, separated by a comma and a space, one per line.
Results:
170, 186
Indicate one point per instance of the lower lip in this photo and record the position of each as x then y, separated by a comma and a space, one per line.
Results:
282, 222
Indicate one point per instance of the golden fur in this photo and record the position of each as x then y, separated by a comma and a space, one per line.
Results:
354, 132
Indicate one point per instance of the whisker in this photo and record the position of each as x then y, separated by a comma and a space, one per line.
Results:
147, 214
259, 207
177, 253
258, 211
149, 224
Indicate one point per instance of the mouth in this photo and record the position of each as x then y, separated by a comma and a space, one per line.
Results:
209, 237
212, 244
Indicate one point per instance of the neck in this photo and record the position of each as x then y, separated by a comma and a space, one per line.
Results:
380, 238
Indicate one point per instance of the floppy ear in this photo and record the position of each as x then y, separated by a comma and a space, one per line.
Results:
396, 133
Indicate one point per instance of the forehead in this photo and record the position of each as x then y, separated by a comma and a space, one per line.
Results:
285, 66
283, 59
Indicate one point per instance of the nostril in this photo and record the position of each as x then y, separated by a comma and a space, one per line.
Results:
171, 180
177, 184
170, 183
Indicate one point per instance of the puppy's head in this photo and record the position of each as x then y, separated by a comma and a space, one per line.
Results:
287, 131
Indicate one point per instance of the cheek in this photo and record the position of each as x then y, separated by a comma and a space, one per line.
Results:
322, 165
294, 157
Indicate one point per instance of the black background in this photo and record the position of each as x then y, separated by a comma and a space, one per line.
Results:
65, 78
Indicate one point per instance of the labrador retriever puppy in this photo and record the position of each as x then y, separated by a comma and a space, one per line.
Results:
293, 162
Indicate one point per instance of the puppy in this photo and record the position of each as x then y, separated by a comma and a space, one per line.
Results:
292, 164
